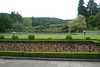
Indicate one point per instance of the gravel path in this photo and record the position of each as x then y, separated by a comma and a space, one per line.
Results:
50, 33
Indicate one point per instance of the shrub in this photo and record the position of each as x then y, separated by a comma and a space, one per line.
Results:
88, 38
2, 36
98, 27
31, 36
99, 40
68, 37
49, 38
15, 37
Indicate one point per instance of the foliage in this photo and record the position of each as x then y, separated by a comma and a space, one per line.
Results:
78, 23
91, 8
2, 36
79, 55
99, 40
18, 26
27, 22
16, 17
96, 19
5, 22
49, 38
98, 27
81, 8
15, 37
68, 37
90, 22
88, 38
31, 36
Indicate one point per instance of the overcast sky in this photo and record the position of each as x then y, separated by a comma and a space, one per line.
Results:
63, 9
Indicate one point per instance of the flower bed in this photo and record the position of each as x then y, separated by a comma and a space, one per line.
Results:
49, 47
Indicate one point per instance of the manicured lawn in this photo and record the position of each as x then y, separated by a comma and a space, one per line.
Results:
93, 31
55, 36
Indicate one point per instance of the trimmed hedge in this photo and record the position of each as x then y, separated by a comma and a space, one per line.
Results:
49, 38
88, 38
31, 36
2, 36
47, 41
98, 40
68, 37
15, 37
79, 55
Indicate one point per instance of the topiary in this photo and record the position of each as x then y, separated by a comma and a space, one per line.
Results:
31, 36
88, 38
68, 37
15, 37
2, 36
49, 38
99, 40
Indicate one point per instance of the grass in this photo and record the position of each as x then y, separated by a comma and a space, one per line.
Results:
55, 36
93, 31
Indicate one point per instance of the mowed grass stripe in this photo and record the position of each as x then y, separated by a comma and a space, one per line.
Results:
55, 36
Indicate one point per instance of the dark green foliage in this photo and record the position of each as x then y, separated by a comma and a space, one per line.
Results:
5, 22
91, 8
68, 37
78, 55
16, 17
96, 19
81, 8
49, 38
90, 22
46, 20
15, 37
88, 38
2, 36
31, 36
18, 26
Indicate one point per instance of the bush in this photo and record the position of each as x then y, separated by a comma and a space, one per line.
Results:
2, 36
31, 36
49, 38
15, 37
98, 40
88, 38
68, 37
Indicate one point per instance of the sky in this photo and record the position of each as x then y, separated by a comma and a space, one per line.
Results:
63, 9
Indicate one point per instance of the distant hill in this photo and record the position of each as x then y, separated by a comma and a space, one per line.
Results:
54, 20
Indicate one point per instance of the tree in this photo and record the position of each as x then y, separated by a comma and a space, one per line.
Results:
5, 22
78, 23
33, 21
96, 19
18, 26
91, 8
90, 22
16, 17
27, 22
81, 8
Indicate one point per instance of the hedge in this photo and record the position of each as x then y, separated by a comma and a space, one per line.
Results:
79, 55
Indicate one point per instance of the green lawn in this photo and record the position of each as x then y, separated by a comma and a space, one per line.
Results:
93, 31
56, 36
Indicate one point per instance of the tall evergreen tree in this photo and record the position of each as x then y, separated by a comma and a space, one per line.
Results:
16, 17
91, 8
82, 8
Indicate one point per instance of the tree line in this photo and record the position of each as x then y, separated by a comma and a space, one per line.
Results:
16, 21
91, 12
